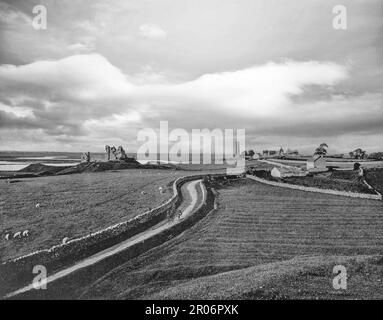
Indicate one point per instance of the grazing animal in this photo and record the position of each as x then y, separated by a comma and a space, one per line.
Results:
38, 205
7, 236
25, 233
17, 235
142, 192
65, 240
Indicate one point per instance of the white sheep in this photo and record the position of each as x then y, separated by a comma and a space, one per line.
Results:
161, 190
25, 233
17, 235
142, 192
7, 236
37, 205
65, 240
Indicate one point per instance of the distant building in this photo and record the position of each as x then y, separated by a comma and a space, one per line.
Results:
316, 163
270, 153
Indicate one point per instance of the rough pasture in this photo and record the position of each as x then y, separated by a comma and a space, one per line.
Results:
75, 205
254, 224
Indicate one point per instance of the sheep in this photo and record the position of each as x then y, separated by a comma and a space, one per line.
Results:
25, 233
17, 235
65, 240
7, 236
37, 205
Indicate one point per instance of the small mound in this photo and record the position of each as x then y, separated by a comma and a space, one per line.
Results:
100, 167
40, 168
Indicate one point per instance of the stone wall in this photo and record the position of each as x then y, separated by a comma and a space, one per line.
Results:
318, 190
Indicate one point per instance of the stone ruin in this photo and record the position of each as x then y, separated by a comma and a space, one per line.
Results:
115, 154
85, 157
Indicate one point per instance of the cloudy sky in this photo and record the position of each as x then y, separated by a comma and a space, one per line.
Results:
102, 71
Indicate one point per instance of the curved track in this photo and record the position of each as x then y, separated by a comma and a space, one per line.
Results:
192, 200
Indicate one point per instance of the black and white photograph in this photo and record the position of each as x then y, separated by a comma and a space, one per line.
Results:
217, 151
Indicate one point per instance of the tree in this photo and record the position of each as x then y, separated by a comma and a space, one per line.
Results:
321, 150
358, 153
251, 153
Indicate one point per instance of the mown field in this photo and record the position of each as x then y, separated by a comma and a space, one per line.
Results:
76, 205
254, 225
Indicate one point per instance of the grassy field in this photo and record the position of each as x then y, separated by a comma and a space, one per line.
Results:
75, 205
254, 225
332, 162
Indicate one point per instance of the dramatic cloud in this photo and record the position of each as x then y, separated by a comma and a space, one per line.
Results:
102, 71
255, 91
85, 94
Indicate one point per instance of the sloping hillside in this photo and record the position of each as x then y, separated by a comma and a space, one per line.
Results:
255, 224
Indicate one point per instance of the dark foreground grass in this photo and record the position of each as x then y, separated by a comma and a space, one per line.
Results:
298, 278
254, 225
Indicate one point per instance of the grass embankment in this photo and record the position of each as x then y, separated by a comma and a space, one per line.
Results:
375, 178
255, 224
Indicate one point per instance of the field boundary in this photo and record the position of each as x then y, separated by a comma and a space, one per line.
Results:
110, 228
281, 165
317, 190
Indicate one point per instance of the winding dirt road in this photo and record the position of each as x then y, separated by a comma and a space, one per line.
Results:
192, 201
